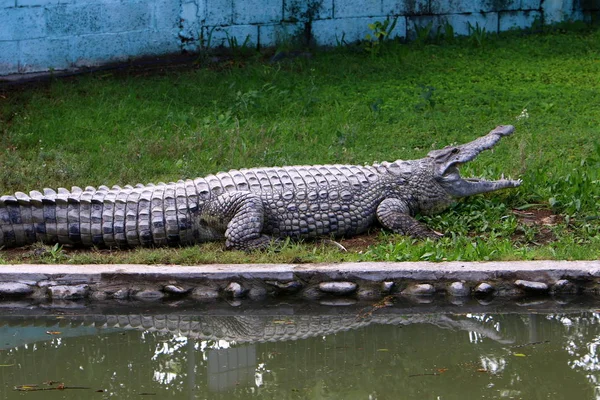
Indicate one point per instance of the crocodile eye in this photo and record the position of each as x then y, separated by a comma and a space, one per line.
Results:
455, 150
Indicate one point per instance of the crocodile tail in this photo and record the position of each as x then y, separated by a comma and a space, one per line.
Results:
103, 217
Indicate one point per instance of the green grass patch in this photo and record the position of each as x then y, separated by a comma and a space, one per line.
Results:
340, 106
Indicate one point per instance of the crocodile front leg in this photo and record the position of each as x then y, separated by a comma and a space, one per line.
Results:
394, 215
241, 216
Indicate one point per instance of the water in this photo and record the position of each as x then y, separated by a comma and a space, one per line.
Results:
406, 351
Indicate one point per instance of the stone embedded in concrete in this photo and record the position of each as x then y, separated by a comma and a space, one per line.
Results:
564, 286
120, 294
205, 293
257, 293
338, 288
286, 287
67, 292
387, 286
15, 289
368, 293
458, 289
148, 294
99, 296
235, 290
176, 290
484, 288
312, 293
420, 289
531, 286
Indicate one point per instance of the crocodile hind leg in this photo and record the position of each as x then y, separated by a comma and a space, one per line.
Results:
241, 214
394, 215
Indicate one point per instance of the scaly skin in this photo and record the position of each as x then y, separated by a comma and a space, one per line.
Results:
250, 208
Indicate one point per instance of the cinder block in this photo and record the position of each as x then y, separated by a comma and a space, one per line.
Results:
34, 3
92, 50
152, 43
189, 34
557, 10
531, 4
472, 6
22, 23
303, 10
276, 35
517, 19
73, 19
125, 16
240, 34
166, 14
357, 8
462, 22
257, 11
219, 12
44, 54
9, 58
404, 7
331, 32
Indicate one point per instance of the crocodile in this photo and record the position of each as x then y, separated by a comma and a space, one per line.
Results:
251, 208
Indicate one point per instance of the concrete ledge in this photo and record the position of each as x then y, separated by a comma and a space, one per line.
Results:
369, 281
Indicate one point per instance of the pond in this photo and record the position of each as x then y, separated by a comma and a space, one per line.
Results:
392, 350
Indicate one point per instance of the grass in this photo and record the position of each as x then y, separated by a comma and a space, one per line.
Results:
340, 106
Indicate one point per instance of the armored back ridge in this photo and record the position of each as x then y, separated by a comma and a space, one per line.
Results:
250, 208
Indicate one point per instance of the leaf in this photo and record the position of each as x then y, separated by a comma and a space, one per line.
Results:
519, 355
383, 350
53, 333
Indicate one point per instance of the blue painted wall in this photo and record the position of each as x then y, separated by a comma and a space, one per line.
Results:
43, 35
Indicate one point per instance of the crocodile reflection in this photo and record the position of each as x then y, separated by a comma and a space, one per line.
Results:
19, 330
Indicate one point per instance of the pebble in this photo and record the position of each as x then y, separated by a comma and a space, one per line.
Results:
176, 290
531, 286
458, 289
387, 287
15, 289
420, 289
235, 290
205, 293
65, 292
286, 287
564, 286
339, 288
484, 288
337, 302
149, 294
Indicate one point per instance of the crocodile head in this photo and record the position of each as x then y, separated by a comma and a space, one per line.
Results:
446, 163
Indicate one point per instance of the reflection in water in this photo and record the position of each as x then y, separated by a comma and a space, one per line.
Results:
330, 355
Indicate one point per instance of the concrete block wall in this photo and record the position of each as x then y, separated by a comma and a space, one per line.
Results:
44, 35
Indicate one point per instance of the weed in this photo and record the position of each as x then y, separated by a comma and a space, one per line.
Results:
380, 33
478, 35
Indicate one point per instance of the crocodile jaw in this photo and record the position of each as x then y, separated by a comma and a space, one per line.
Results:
446, 164
457, 186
